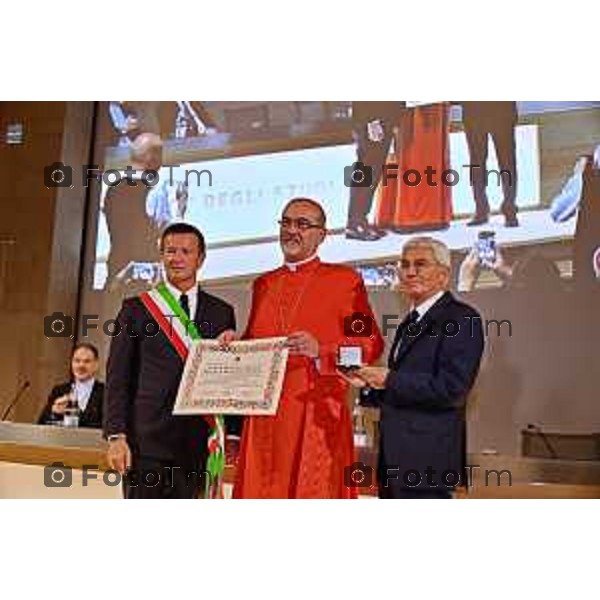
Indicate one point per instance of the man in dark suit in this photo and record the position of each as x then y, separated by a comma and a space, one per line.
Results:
132, 235
84, 386
373, 126
143, 375
432, 365
586, 245
498, 120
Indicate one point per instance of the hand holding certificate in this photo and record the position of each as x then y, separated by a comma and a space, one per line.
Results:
244, 378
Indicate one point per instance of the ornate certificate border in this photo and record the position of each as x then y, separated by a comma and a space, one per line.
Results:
187, 401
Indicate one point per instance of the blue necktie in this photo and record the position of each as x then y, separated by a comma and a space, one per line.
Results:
406, 332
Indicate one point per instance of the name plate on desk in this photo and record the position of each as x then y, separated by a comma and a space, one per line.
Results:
244, 379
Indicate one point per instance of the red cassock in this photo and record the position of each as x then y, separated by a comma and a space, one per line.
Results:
301, 452
424, 142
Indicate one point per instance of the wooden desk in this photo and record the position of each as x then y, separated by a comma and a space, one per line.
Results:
44, 444
26, 450
529, 477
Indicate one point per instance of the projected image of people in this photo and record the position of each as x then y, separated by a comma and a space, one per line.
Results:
511, 188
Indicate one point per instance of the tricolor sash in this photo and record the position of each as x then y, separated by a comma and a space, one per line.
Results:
182, 333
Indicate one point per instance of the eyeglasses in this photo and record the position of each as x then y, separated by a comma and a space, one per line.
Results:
419, 265
301, 224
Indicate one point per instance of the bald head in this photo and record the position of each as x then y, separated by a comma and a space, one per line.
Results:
146, 151
311, 206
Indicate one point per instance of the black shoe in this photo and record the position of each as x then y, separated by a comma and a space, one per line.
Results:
478, 220
378, 231
361, 232
510, 215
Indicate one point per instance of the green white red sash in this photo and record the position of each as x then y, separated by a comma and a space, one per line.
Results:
182, 334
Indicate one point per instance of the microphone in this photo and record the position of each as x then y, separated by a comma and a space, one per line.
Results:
538, 431
15, 400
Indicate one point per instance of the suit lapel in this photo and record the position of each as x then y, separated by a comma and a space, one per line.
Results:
421, 327
424, 324
200, 307
392, 357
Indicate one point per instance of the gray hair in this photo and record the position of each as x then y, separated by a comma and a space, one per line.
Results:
439, 249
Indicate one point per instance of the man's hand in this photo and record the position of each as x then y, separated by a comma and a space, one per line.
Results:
469, 271
119, 455
226, 337
352, 378
60, 405
304, 344
500, 267
374, 377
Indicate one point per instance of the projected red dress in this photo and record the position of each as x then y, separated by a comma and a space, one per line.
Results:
424, 142
301, 452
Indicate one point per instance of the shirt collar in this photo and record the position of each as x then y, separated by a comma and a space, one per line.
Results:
294, 266
191, 293
88, 383
427, 304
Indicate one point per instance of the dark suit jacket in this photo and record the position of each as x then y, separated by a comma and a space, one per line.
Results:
423, 408
132, 236
91, 416
587, 232
489, 116
143, 375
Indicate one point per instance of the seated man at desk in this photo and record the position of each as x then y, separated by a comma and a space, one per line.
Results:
83, 385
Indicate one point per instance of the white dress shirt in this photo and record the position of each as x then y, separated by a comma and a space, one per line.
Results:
83, 391
427, 304
192, 295
421, 309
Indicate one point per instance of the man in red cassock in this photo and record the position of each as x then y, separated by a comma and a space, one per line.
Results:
301, 451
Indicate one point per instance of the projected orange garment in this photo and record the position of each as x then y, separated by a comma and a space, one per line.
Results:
301, 452
424, 142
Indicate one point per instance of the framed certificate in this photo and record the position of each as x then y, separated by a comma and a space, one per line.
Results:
243, 379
